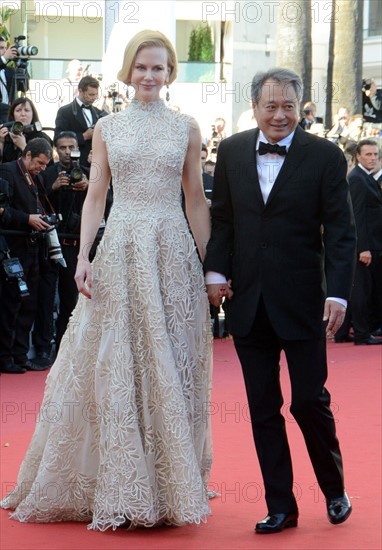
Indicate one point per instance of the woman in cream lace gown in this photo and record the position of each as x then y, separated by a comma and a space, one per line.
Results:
123, 435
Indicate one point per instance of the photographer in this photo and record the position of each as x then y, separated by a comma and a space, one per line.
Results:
24, 211
66, 186
22, 126
310, 118
371, 102
7, 74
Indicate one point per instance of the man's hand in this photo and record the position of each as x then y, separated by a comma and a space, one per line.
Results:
10, 53
36, 221
217, 292
365, 257
81, 185
88, 134
334, 313
62, 180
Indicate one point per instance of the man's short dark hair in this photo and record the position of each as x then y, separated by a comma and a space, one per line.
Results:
65, 134
363, 142
88, 82
38, 146
204, 147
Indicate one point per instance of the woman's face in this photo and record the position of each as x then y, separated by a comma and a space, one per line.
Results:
23, 113
150, 73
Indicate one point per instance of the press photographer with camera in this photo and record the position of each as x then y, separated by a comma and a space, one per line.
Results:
26, 209
22, 126
66, 183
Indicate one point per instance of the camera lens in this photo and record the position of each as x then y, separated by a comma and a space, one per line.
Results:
17, 128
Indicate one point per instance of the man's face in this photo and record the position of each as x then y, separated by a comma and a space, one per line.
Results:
64, 147
88, 96
368, 157
203, 158
277, 112
3, 47
37, 164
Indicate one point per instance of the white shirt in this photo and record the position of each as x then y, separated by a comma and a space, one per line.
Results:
3, 82
86, 112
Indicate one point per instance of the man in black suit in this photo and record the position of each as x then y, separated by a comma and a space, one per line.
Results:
366, 195
7, 74
310, 117
282, 251
80, 116
24, 213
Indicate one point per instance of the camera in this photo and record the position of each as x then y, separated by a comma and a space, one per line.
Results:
54, 247
308, 112
18, 128
366, 84
24, 50
75, 174
21, 63
14, 273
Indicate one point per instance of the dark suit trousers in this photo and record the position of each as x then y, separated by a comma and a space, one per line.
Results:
67, 289
259, 354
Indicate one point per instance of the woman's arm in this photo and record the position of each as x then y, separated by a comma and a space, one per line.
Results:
197, 210
93, 209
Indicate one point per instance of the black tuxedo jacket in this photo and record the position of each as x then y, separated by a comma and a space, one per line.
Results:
295, 250
366, 195
10, 82
71, 118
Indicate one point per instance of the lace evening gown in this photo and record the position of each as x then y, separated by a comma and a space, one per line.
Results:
123, 431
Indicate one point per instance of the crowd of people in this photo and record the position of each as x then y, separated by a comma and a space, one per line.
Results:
271, 237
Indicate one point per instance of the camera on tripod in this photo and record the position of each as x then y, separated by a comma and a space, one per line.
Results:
18, 128
21, 63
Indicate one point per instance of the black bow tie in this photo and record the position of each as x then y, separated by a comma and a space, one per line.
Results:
265, 148
83, 106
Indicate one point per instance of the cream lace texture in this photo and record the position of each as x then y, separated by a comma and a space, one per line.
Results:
124, 430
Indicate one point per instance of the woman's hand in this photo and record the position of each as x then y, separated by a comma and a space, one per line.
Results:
19, 140
83, 277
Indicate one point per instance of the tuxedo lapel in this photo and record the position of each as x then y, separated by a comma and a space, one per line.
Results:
296, 155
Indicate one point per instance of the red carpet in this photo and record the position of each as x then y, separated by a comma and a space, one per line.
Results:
355, 384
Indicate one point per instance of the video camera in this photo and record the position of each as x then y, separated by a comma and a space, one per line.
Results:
18, 128
21, 62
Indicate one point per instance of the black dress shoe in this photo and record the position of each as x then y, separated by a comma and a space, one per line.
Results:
43, 359
11, 368
28, 365
343, 339
339, 509
275, 523
371, 341
377, 333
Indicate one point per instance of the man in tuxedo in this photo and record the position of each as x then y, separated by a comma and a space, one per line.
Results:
80, 116
366, 196
7, 74
282, 252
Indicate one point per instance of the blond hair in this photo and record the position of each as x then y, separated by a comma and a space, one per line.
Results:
147, 39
